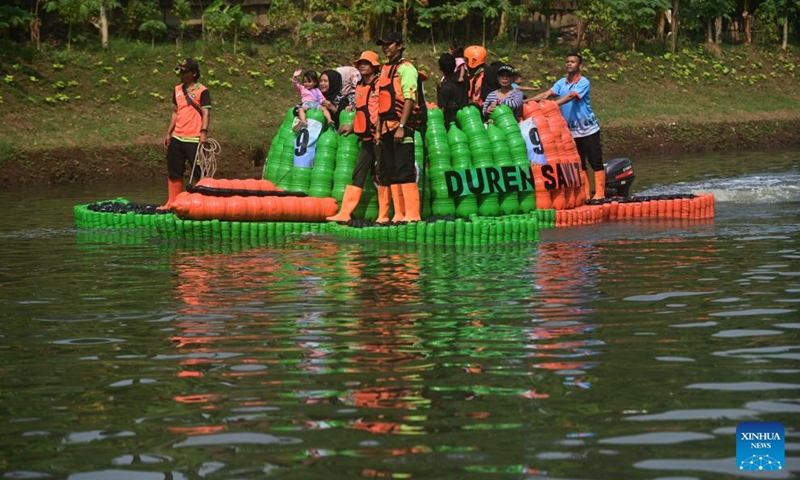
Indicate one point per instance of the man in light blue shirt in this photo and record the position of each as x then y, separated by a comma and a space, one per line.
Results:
573, 93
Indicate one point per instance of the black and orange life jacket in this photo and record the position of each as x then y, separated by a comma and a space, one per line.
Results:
390, 104
363, 126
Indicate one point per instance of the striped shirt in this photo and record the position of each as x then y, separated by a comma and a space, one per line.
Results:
514, 100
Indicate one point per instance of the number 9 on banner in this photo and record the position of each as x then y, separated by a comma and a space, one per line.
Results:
305, 144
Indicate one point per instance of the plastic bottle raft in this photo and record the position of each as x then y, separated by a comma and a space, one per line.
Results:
484, 184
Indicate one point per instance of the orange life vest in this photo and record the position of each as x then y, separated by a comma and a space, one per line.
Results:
390, 99
475, 84
364, 121
190, 120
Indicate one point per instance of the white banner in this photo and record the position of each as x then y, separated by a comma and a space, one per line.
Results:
305, 144
532, 141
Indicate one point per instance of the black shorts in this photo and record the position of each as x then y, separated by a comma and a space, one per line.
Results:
178, 153
589, 148
398, 162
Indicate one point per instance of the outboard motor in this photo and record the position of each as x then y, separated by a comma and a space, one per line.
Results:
619, 177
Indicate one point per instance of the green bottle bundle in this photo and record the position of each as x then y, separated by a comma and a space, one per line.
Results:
438, 163
425, 193
346, 158
468, 144
324, 165
509, 203
272, 163
470, 121
461, 159
504, 119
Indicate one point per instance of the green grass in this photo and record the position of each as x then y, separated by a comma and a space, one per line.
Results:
122, 96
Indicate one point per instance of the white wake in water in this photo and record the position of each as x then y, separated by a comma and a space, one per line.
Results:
751, 188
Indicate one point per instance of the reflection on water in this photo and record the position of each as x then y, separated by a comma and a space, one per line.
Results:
621, 351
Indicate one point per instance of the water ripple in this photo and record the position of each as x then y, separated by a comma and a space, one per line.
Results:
657, 438
695, 414
237, 439
744, 386
87, 341
126, 475
751, 312
746, 333
663, 296
94, 435
726, 466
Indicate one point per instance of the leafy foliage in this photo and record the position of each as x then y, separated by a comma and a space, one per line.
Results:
614, 24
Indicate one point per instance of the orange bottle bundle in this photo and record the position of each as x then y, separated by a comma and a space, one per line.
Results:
195, 206
669, 209
686, 208
250, 184
613, 211
543, 200
606, 212
646, 209
567, 152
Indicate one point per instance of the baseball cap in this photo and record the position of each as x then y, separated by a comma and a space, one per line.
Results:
370, 57
505, 70
188, 65
390, 38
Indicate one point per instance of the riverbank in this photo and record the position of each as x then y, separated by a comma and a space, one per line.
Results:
92, 116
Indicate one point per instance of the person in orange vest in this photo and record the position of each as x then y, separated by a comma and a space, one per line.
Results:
400, 115
365, 125
188, 128
476, 64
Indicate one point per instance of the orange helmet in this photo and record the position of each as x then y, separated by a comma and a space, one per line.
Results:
475, 56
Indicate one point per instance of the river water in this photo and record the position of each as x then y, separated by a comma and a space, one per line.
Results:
618, 351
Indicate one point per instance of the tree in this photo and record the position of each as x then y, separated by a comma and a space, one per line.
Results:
102, 22
545, 8
12, 18
182, 9
138, 12
153, 27
637, 17
708, 11
676, 23
600, 22
34, 26
781, 11
240, 20
76, 12
71, 12
216, 21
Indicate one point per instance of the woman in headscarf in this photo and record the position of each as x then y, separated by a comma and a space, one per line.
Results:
330, 84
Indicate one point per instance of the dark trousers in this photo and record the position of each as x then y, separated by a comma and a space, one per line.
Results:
366, 164
589, 148
398, 158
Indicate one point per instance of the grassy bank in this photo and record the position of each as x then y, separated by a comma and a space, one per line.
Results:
88, 115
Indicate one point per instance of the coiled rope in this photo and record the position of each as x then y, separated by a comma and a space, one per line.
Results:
206, 159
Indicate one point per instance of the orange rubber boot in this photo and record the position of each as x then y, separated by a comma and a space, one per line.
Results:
411, 202
384, 198
399, 204
587, 188
174, 187
349, 203
599, 184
